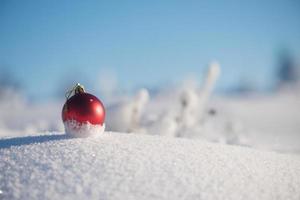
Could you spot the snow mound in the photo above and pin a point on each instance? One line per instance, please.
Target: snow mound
(128, 166)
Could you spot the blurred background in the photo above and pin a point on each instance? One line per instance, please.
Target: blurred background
(115, 48)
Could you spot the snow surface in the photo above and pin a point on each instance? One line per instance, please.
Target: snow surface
(131, 166)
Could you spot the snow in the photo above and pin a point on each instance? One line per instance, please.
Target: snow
(76, 129)
(178, 143)
(131, 166)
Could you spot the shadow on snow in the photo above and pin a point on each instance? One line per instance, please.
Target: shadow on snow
(18, 141)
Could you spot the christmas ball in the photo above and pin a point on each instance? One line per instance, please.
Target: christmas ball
(83, 114)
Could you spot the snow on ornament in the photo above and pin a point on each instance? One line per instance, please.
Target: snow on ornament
(83, 114)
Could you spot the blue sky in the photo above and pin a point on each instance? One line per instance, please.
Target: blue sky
(144, 43)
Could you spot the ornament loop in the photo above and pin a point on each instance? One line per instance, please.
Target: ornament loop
(78, 88)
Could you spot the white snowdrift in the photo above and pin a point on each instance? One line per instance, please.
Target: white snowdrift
(128, 166)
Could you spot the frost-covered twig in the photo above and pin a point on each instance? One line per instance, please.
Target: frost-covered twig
(193, 104)
(125, 116)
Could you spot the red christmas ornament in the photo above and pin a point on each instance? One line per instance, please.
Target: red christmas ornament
(83, 114)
